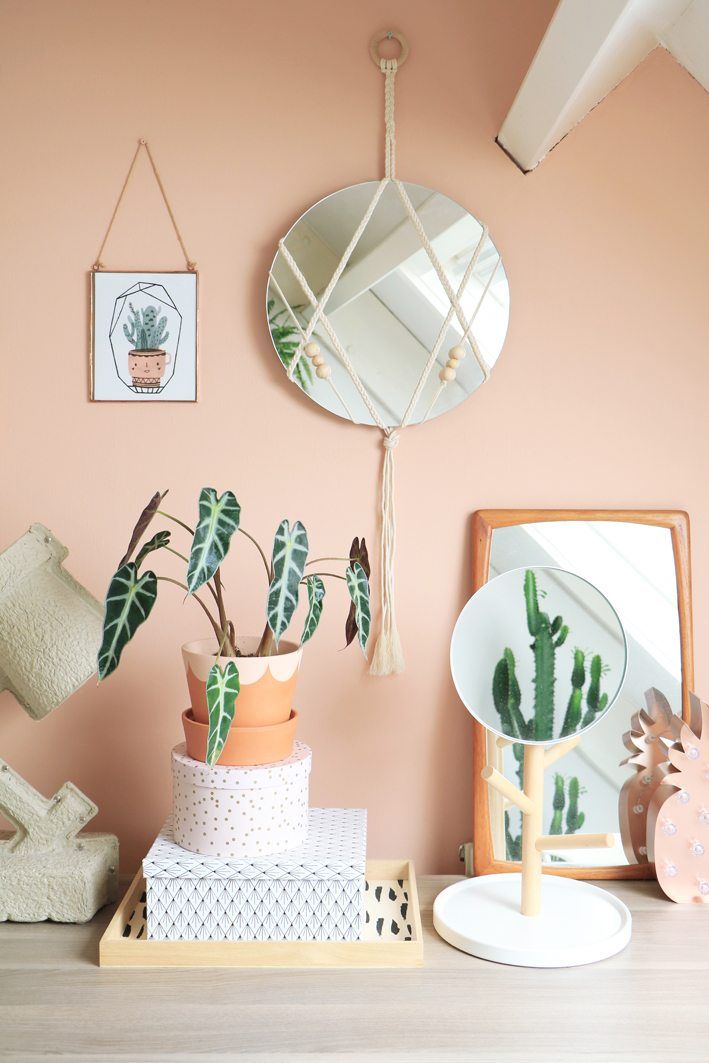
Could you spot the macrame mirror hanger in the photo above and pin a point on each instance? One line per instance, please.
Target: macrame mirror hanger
(388, 658)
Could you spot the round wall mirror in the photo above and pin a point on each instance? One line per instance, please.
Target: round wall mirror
(538, 655)
(389, 304)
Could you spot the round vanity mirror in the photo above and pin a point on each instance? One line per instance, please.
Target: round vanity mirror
(538, 655)
(409, 275)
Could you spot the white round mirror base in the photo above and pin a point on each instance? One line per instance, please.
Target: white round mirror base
(578, 924)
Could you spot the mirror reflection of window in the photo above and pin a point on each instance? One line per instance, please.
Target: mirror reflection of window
(633, 565)
(389, 305)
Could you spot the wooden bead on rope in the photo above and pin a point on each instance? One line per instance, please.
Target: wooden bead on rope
(456, 354)
(323, 372)
(311, 350)
(318, 360)
(447, 374)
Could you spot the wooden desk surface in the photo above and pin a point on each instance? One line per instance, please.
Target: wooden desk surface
(650, 1003)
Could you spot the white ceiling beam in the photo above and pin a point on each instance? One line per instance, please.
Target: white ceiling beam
(588, 48)
(688, 41)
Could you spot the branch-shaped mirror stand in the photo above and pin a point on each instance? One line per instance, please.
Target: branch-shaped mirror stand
(530, 802)
(533, 918)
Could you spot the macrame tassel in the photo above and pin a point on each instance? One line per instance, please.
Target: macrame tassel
(388, 656)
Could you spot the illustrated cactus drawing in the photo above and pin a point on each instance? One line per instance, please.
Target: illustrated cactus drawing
(548, 636)
(145, 331)
(680, 823)
(650, 732)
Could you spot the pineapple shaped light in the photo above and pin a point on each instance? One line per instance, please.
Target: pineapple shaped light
(650, 732)
(679, 824)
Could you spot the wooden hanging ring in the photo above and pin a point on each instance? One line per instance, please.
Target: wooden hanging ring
(388, 35)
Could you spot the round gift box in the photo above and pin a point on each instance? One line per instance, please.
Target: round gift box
(240, 812)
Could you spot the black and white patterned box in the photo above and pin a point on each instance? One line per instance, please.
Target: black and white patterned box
(312, 893)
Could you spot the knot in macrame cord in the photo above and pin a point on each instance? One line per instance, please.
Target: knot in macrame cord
(391, 440)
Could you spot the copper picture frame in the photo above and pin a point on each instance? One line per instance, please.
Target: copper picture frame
(149, 277)
(485, 522)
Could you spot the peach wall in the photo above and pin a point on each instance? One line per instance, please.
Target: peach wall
(599, 398)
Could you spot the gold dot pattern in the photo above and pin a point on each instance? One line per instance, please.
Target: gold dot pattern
(240, 812)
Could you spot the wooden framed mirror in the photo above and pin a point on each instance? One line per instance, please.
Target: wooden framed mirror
(640, 559)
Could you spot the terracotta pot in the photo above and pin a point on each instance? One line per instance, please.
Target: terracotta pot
(147, 368)
(267, 683)
(244, 745)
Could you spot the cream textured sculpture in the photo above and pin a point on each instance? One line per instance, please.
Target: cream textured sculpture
(50, 626)
(47, 869)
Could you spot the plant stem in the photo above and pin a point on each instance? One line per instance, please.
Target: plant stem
(269, 573)
(223, 622)
(209, 586)
(267, 646)
(212, 621)
(318, 559)
(176, 520)
(177, 553)
(332, 575)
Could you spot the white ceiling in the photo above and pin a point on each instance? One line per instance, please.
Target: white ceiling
(588, 48)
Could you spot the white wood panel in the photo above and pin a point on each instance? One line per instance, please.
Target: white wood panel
(586, 51)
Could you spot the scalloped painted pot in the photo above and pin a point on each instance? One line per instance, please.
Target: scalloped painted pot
(267, 683)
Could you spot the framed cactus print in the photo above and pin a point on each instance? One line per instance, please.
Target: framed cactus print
(143, 336)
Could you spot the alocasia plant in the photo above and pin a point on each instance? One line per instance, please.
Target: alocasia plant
(131, 596)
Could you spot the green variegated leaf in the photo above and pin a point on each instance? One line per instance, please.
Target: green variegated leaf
(316, 593)
(128, 604)
(290, 552)
(143, 521)
(160, 539)
(358, 586)
(222, 691)
(218, 520)
(358, 552)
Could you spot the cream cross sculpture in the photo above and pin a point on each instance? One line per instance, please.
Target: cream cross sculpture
(47, 869)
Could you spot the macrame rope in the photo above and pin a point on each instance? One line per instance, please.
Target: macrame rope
(444, 383)
(389, 67)
(319, 306)
(98, 264)
(388, 656)
(435, 261)
(298, 325)
(442, 332)
(337, 346)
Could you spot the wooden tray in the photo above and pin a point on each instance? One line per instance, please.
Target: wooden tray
(388, 939)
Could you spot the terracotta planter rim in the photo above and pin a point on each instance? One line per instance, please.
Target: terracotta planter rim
(207, 647)
(244, 745)
(187, 715)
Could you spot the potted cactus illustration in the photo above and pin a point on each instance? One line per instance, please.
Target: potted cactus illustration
(147, 360)
(548, 635)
